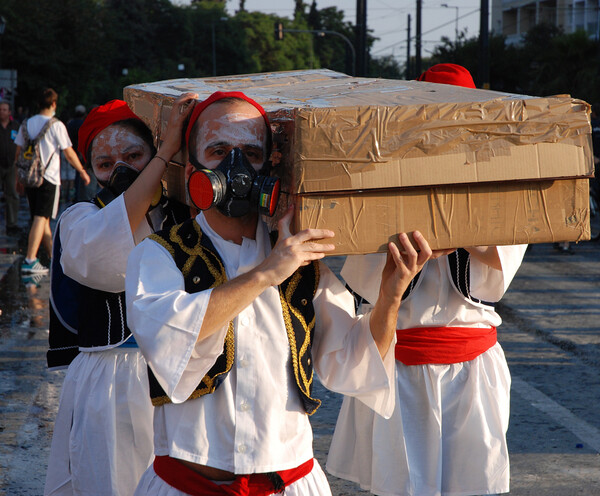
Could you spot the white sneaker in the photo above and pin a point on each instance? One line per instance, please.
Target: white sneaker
(32, 280)
(34, 267)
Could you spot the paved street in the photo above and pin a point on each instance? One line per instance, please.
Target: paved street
(551, 336)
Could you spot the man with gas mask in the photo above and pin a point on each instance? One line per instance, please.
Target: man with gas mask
(232, 325)
(102, 440)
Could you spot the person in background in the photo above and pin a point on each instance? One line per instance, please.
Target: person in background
(21, 114)
(43, 201)
(233, 324)
(8, 133)
(447, 435)
(102, 440)
(82, 192)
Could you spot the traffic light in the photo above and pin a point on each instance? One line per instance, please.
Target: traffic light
(278, 31)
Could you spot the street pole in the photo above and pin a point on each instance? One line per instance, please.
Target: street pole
(361, 37)
(484, 46)
(455, 22)
(2, 28)
(418, 40)
(214, 50)
(408, 50)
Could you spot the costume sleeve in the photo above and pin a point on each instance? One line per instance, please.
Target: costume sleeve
(166, 321)
(363, 274)
(489, 284)
(95, 244)
(345, 355)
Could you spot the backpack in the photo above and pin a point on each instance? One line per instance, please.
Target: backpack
(30, 169)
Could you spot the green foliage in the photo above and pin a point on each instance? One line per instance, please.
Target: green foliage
(547, 62)
(81, 48)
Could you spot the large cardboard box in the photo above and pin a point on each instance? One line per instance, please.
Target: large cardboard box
(369, 158)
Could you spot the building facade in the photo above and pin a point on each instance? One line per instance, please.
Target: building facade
(513, 18)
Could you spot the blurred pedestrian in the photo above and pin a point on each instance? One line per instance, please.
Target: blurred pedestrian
(21, 114)
(83, 192)
(8, 133)
(43, 201)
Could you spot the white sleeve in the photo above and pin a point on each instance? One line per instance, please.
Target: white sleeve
(19, 140)
(345, 355)
(363, 274)
(489, 284)
(166, 321)
(61, 135)
(95, 244)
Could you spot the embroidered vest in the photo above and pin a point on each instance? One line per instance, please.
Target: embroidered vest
(202, 268)
(83, 318)
(459, 264)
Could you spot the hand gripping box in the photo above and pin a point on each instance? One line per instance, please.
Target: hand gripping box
(368, 158)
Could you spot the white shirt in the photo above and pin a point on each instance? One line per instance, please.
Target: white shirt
(96, 243)
(55, 140)
(255, 421)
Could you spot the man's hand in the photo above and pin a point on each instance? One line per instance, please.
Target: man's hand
(293, 251)
(401, 267)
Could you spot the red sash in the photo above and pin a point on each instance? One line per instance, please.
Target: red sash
(184, 479)
(422, 345)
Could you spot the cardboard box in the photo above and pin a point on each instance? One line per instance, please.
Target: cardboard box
(371, 157)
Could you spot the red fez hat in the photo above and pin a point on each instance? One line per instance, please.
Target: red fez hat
(448, 74)
(100, 118)
(220, 95)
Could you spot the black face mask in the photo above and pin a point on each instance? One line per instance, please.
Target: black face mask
(234, 187)
(121, 177)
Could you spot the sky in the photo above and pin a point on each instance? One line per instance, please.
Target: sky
(389, 19)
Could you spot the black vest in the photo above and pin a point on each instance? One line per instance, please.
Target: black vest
(85, 318)
(459, 264)
(202, 268)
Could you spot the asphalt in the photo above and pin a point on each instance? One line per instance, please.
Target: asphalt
(12, 247)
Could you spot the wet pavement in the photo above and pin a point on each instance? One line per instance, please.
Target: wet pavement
(551, 336)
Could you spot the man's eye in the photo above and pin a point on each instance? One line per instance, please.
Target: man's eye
(104, 165)
(133, 156)
(253, 155)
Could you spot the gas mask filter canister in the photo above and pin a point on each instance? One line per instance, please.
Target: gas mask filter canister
(234, 187)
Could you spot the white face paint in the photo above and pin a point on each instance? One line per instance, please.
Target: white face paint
(222, 127)
(118, 144)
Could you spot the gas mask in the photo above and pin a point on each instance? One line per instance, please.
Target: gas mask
(234, 187)
(122, 176)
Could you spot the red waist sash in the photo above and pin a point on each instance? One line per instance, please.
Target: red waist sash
(422, 345)
(184, 479)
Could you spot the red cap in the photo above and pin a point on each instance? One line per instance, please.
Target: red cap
(220, 95)
(100, 118)
(448, 74)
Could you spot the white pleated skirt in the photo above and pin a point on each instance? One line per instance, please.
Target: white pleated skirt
(103, 434)
(447, 435)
